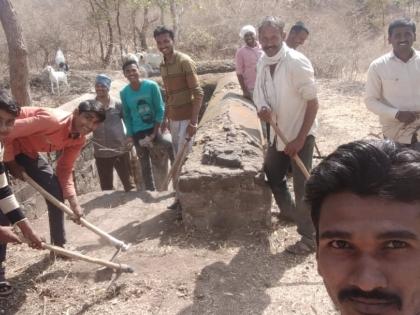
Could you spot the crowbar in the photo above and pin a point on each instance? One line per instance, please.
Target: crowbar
(296, 158)
(120, 245)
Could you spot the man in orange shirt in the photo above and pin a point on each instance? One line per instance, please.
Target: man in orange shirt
(47, 130)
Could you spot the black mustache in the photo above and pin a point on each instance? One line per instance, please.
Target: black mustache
(377, 294)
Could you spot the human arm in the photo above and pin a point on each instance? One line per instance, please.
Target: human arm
(294, 146)
(10, 208)
(64, 170)
(240, 67)
(302, 79)
(126, 115)
(373, 96)
(197, 92)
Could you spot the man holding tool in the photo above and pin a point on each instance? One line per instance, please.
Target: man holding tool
(285, 96)
(47, 130)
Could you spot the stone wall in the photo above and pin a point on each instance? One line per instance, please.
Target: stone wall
(222, 183)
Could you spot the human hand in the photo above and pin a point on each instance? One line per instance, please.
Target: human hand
(15, 169)
(191, 129)
(265, 114)
(164, 126)
(406, 117)
(30, 235)
(8, 236)
(75, 207)
(293, 147)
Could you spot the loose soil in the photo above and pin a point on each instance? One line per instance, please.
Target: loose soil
(178, 272)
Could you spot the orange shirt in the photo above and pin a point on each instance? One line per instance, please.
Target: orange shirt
(40, 129)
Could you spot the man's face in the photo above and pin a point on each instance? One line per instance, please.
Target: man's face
(132, 73)
(271, 40)
(369, 254)
(101, 90)
(402, 39)
(165, 44)
(7, 122)
(85, 122)
(297, 38)
(249, 39)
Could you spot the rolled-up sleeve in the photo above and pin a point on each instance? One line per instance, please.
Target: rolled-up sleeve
(303, 79)
(373, 95)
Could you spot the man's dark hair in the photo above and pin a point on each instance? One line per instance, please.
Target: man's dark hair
(93, 106)
(129, 62)
(403, 22)
(162, 29)
(380, 168)
(8, 104)
(272, 21)
(299, 27)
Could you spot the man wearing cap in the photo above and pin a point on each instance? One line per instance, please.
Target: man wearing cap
(246, 59)
(110, 141)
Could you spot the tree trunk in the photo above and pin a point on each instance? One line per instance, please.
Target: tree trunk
(133, 24)
(18, 55)
(108, 56)
(162, 14)
(117, 8)
(98, 28)
(175, 17)
(144, 28)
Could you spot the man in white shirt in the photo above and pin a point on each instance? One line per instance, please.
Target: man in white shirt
(392, 87)
(285, 92)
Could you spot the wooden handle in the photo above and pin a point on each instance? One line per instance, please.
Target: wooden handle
(177, 164)
(296, 158)
(76, 255)
(115, 242)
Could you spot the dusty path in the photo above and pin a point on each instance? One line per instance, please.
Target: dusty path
(179, 273)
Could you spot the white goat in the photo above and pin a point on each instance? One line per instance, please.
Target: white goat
(55, 78)
(151, 59)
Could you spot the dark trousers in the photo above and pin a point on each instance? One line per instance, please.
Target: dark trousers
(3, 222)
(144, 154)
(275, 166)
(105, 167)
(43, 174)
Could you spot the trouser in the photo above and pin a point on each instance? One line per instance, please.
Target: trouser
(40, 171)
(159, 143)
(3, 222)
(275, 166)
(105, 167)
(179, 133)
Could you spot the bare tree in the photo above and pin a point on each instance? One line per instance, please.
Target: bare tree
(18, 55)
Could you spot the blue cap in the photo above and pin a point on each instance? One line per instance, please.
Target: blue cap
(104, 80)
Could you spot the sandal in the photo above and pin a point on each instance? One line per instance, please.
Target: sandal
(5, 289)
(301, 248)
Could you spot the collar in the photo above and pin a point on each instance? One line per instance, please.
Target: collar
(414, 56)
(281, 54)
(111, 102)
(174, 56)
(72, 134)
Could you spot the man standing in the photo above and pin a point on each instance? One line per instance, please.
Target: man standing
(392, 87)
(40, 129)
(285, 92)
(297, 35)
(365, 202)
(110, 141)
(246, 59)
(183, 93)
(143, 114)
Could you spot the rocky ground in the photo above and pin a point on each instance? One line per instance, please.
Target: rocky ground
(178, 272)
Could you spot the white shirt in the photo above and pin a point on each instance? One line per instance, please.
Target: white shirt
(394, 85)
(287, 93)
